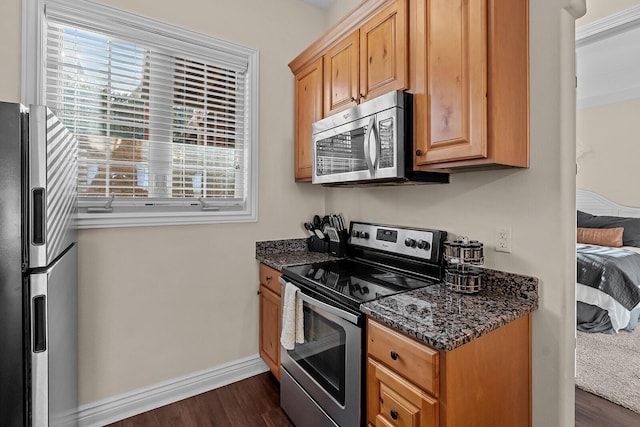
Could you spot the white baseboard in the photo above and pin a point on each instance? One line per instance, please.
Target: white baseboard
(135, 402)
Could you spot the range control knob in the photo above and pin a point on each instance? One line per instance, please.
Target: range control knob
(364, 235)
(409, 242)
(355, 233)
(423, 244)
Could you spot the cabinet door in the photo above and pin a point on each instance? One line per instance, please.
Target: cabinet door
(341, 75)
(308, 104)
(270, 329)
(384, 51)
(450, 120)
(394, 401)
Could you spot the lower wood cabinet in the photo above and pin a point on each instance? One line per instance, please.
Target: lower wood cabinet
(394, 401)
(270, 318)
(484, 383)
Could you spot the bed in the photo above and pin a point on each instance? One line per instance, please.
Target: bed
(608, 264)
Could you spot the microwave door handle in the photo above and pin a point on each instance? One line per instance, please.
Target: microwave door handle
(367, 146)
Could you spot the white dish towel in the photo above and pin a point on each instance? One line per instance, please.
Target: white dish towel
(292, 318)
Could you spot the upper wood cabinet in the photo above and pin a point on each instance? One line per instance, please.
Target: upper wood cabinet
(341, 67)
(369, 62)
(465, 61)
(362, 56)
(384, 61)
(470, 83)
(308, 106)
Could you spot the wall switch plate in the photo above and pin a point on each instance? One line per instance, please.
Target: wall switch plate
(503, 239)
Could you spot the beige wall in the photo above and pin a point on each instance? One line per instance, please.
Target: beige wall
(608, 150)
(598, 9)
(607, 135)
(536, 203)
(157, 303)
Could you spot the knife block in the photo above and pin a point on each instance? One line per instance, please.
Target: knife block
(316, 244)
(339, 248)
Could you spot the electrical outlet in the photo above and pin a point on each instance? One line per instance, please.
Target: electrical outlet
(503, 239)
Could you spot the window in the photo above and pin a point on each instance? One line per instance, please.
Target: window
(165, 118)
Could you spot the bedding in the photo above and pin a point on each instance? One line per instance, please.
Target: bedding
(611, 237)
(631, 235)
(608, 279)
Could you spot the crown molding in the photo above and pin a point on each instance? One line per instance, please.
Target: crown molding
(608, 26)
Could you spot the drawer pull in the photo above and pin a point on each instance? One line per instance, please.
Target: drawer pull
(394, 355)
(394, 414)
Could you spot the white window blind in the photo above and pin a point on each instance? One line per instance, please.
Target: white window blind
(163, 127)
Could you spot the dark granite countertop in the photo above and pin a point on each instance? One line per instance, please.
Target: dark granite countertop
(281, 253)
(435, 315)
(446, 320)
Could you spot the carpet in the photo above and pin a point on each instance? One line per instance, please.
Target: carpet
(609, 366)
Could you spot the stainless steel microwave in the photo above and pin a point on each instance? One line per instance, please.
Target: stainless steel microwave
(371, 143)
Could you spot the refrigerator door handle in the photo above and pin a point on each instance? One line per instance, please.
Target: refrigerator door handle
(37, 221)
(39, 355)
(39, 310)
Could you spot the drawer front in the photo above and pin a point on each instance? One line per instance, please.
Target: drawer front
(405, 356)
(269, 278)
(394, 401)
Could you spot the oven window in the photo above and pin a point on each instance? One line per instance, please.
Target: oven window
(322, 355)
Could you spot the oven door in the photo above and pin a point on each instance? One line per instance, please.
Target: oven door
(327, 365)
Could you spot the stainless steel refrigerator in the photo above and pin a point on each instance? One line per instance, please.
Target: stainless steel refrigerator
(38, 269)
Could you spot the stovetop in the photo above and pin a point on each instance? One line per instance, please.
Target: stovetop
(353, 282)
(383, 260)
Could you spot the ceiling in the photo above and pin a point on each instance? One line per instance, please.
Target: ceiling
(608, 59)
(321, 4)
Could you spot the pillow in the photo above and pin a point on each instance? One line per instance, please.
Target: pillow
(611, 237)
(583, 216)
(631, 235)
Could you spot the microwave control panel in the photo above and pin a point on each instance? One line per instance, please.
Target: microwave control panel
(416, 243)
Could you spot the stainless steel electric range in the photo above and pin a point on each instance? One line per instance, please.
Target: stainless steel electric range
(322, 378)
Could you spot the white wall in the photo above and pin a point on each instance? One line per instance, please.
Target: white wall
(157, 303)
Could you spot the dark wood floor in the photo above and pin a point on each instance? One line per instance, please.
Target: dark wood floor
(594, 411)
(255, 402)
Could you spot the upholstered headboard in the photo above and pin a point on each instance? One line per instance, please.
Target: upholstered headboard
(596, 204)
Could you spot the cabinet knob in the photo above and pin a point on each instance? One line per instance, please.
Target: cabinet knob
(353, 99)
(268, 278)
(361, 96)
(418, 152)
(394, 414)
(394, 355)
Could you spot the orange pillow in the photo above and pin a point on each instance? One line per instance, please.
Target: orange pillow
(611, 237)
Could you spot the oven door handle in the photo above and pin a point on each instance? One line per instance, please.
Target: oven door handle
(349, 317)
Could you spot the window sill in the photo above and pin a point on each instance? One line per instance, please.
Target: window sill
(113, 220)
